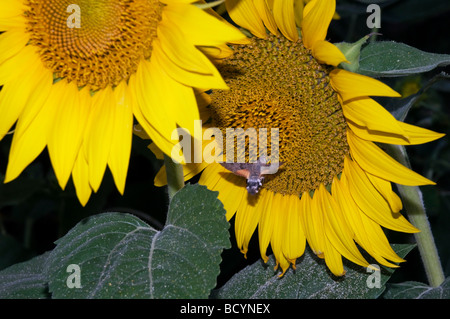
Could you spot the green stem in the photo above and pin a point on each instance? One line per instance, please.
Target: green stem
(175, 178)
(415, 209)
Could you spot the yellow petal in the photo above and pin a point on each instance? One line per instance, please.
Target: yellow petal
(337, 231)
(314, 224)
(379, 243)
(317, 15)
(203, 100)
(234, 197)
(376, 136)
(201, 28)
(192, 169)
(385, 189)
(11, 14)
(266, 15)
(367, 112)
(351, 85)
(419, 135)
(375, 161)
(279, 219)
(294, 240)
(283, 263)
(189, 171)
(11, 8)
(177, 1)
(164, 145)
(211, 175)
(12, 42)
(80, 177)
(376, 242)
(19, 65)
(298, 12)
(99, 135)
(173, 42)
(246, 220)
(283, 13)
(266, 223)
(231, 187)
(416, 135)
(370, 201)
(67, 131)
(217, 52)
(176, 99)
(37, 99)
(328, 53)
(119, 156)
(305, 207)
(348, 207)
(149, 100)
(184, 76)
(30, 137)
(14, 95)
(367, 233)
(244, 13)
(333, 259)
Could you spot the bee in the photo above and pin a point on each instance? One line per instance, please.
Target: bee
(253, 172)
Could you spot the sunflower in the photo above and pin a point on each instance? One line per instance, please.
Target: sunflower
(333, 190)
(74, 73)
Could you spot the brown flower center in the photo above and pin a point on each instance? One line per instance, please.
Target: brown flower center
(94, 43)
(276, 83)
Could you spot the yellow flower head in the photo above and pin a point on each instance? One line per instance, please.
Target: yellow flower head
(75, 72)
(333, 190)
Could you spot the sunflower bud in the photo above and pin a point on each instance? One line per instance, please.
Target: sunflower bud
(352, 52)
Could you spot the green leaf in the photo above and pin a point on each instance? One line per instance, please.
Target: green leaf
(418, 290)
(352, 52)
(310, 280)
(390, 59)
(120, 256)
(25, 280)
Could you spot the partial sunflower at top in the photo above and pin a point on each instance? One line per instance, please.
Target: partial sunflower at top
(334, 187)
(75, 90)
(258, 16)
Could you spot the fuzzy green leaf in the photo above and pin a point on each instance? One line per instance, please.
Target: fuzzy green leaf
(418, 290)
(311, 280)
(391, 59)
(120, 256)
(25, 280)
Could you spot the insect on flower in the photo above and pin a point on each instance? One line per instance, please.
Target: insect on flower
(253, 172)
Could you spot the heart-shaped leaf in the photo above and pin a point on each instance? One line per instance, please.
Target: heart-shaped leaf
(115, 255)
(390, 59)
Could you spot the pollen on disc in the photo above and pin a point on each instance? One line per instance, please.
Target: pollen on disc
(276, 83)
(112, 37)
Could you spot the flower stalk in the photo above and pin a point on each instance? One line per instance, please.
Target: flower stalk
(175, 177)
(415, 209)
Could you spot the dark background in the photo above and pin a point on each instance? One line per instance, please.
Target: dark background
(34, 211)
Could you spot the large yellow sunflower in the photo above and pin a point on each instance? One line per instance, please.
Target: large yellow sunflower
(74, 72)
(333, 190)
